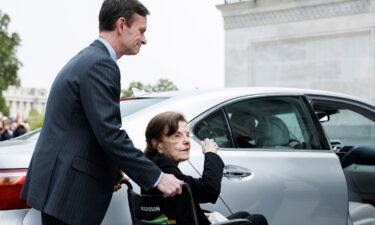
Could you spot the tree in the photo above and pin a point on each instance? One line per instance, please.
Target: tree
(9, 64)
(161, 85)
(35, 119)
(164, 85)
(135, 85)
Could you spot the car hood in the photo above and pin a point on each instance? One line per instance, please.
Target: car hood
(18, 154)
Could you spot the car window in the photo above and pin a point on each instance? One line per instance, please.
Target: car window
(268, 123)
(272, 123)
(346, 125)
(215, 127)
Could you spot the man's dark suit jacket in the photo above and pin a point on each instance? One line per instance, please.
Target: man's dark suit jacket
(205, 189)
(80, 148)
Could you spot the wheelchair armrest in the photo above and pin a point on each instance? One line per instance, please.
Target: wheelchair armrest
(234, 222)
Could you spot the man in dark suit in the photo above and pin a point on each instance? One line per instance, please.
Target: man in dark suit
(72, 172)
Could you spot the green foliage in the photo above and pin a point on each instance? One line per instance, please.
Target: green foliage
(3, 107)
(35, 119)
(135, 85)
(9, 64)
(164, 85)
(161, 85)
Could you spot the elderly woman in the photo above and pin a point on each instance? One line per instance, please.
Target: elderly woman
(168, 144)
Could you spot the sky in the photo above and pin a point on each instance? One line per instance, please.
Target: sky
(185, 41)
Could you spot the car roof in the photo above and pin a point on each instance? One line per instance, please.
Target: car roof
(228, 93)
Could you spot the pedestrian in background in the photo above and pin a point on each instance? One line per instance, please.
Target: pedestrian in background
(6, 131)
(20, 121)
(20, 126)
(72, 173)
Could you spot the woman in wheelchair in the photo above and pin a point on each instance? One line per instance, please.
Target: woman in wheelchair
(168, 144)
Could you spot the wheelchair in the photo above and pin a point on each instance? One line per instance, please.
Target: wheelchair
(155, 209)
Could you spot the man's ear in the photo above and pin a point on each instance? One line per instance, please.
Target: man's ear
(120, 24)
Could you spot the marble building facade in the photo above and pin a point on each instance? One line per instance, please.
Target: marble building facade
(316, 44)
(22, 100)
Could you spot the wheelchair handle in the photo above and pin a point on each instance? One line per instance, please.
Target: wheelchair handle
(130, 187)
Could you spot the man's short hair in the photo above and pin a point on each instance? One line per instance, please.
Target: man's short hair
(112, 10)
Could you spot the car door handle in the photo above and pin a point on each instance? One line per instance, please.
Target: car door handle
(236, 172)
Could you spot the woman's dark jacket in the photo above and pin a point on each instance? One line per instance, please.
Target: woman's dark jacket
(205, 189)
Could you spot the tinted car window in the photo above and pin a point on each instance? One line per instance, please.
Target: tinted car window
(272, 122)
(215, 127)
(129, 106)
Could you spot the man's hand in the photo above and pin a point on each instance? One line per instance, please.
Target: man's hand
(169, 185)
(118, 186)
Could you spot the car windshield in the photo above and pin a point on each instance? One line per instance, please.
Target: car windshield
(128, 106)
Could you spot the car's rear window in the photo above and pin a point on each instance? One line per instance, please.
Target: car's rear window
(129, 106)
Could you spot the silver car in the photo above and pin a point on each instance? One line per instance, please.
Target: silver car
(282, 149)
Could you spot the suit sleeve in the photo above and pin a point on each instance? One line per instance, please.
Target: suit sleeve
(208, 187)
(100, 94)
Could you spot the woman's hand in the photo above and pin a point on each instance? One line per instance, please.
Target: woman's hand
(208, 145)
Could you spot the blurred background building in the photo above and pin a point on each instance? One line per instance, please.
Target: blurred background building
(22, 100)
(317, 44)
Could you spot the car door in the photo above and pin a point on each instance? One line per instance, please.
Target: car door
(350, 127)
(277, 163)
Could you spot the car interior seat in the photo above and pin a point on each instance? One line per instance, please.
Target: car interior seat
(359, 170)
(361, 213)
(272, 132)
